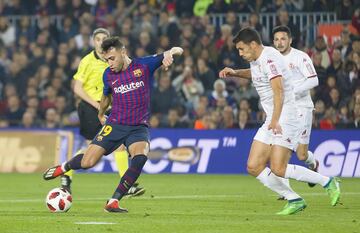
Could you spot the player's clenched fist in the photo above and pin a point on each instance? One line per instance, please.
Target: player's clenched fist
(168, 56)
(226, 72)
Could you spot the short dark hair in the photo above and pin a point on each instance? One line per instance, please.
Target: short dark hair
(112, 42)
(282, 28)
(247, 35)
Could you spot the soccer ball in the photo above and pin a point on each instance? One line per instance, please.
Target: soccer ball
(58, 200)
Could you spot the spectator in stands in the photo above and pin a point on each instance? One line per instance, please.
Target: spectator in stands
(49, 99)
(245, 90)
(284, 19)
(323, 5)
(220, 92)
(344, 45)
(334, 99)
(184, 8)
(228, 119)
(216, 118)
(343, 117)
(243, 121)
(100, 11)
(146, 43)
(4, 123)
(51, 119)
(15, 7)
(14, 111)
(344, 10)
(241, 6)
(225, 31)
(336, 63)
(163, 97)
(191, 88)
(356, 115)
(32, 105)
(204, 122)
(26, 29)
(218, 6)
(9, 90)
(320, 70)
(319, 113)
(255, 24)
(323, 91)
(355, 21)
(82, 40)
(321, 47)
(232, 21)
(7, 32)
(172, 120)
(28, 120)
(205, 74)
(78, 7)
(43, 8)
(328, 122)
(205, 44)
(348, 79)
(154, 121)
(69, 29)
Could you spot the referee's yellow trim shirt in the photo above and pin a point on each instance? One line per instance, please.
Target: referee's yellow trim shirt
(90, 73)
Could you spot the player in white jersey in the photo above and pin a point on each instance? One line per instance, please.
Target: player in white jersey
(276, 138)
(304, 78)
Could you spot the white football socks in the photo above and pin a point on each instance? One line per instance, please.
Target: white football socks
(310, 161)
(276, 184)
(306, 175)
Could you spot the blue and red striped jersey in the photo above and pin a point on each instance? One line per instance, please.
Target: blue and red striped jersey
(131, 90)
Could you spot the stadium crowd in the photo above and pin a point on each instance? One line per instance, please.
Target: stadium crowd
(37, 62)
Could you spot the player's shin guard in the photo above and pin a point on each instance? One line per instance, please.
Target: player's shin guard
(130, 176)
(71, 172)
(122, 161)
(73, 164)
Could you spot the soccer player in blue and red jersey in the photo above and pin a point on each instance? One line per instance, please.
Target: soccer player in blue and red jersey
(127, 85)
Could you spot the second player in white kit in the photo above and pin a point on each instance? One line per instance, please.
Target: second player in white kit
(303, 78)
(277, 137)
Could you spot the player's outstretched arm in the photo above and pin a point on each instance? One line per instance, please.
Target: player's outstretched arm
(168, 56)
(104, 104)
(241, 73)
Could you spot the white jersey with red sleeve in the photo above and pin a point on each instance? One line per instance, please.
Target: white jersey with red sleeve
(301, 68)
(271, 64)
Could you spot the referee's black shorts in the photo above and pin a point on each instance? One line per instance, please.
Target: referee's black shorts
(89, 121)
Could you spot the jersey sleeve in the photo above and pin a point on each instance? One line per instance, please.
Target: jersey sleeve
(80, 73)
(153, 62)
(306, 67)
(272, 68)
(107, 88)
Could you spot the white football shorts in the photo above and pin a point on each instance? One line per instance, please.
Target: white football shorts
(290, 131)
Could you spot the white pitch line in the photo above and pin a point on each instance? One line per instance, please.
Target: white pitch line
(171, 197)
(95, 223)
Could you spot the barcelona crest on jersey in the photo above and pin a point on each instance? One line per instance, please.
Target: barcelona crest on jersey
(137, 73)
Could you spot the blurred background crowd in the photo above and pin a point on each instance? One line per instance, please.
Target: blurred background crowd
(39, 58)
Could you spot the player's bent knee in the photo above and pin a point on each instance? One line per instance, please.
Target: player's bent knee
(254, 170)
(278, 171)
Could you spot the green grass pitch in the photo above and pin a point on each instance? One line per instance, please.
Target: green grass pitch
(174, 203)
